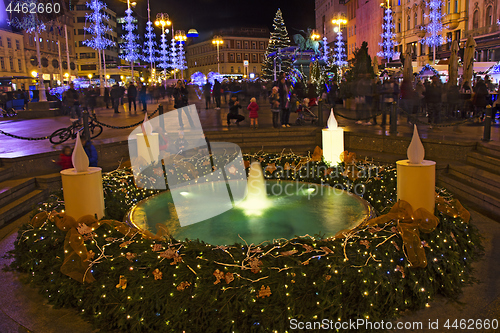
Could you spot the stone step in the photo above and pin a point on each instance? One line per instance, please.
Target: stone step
(11, 190)
(5, 173)
(484, 161)
(21, 206)
(490, 149)
(471, 195)
(52, 181)
(483, 179)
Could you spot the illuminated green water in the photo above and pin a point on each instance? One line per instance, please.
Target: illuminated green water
(311, 209)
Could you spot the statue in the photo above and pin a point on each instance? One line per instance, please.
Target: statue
(307, 44)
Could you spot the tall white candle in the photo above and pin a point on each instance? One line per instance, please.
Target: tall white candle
(333, 140)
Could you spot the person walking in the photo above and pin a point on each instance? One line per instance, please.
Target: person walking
(180, 101)
(433, 97)
(115, 95)
(106, 97)
(234, 105)
(253, 107)
(207, 91)
(217, 93)
(91, 99)
(132, 96)
(72, 100)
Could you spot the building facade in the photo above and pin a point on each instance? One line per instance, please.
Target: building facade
(12, 54)
(484, 26)
(241, 46)
(53, 51)
(351, 39)
(325, 11)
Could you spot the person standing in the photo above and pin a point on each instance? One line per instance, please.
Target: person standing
(217, 93)
(234, 105)
(274, 99)
(284, 102)
(143, 93)
(207, 91)
(91, 99)
(106, 97)
(132, 96)
(180, 101)
(72, 100)
(115, 95)
(253, 107)
(433, 98)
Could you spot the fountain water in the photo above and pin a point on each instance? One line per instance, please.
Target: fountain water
(256, 200)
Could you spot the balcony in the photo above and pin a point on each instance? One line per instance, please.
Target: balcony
(420, 32)
(398, 37)
(451, 20)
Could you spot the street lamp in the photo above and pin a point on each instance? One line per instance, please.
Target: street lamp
(315, 35)
(217, 40)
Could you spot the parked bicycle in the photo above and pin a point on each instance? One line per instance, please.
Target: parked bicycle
(71, 131)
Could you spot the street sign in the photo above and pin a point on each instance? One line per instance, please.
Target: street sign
(245, 63)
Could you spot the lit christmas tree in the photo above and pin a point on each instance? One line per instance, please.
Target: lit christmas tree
(434, 27)
(98, 29)
(326, 50)
(387, 35)
(130, 46)
(339, 56)
(279, 40)
(181, 58)
(163, 52)
(173, 56)
(150, 43)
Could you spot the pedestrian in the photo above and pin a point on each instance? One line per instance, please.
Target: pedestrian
(407, 100)
(71, 98)
(180, 101)
(106, 97)
(217, 93)
(274, 99)
(143, 94)
(433, 99)
(65, 161)
(253, 107)
(284, 102)
(132, 96)
(91, 99)
(364, 92)
(115, 95)
(90, 151)
(207, 91)
(234, 105)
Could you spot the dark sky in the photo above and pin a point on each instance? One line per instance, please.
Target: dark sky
(215, 14)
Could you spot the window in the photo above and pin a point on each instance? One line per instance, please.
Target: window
(238, 57)
(448, 6)
(262, 45)
(231, 57)
(415, 19)
(254, 45)
(232, 68)
(422, 49)
(475, 20)
(246, 45)
(399, 25)
(81, 32)
(354, 30)
(20, 65)
(489, 16)
(9, 43)
(238, 45)
(18, 45)
(254, 57)
(239, 69)
(456, 7)
(80, 19)
(31, 40)
(423, 16)
(408, 22)
(1, 42)
(2, 64)
(81, 7)
(246, 56)
(88, 67)
(11, 62)
(221, 57)
(254, 69)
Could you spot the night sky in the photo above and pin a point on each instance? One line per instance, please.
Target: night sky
(206, 15)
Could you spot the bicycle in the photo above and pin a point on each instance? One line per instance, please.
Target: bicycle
(63, 134)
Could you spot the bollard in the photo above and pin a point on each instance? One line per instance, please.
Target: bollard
(86, 132)
(160, 113)
(487, 124)
(320, 113)
(393, 119)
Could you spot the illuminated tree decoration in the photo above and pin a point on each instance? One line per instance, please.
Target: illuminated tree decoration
(181, 58)
(279, 40)
(163, 53)
(326, 50)
(173, 55)
(340, 55)
(150, 43)
(387, 35)
(435, 25)
(28, 22)
(130, 46)
(199, 79)
(97, 27)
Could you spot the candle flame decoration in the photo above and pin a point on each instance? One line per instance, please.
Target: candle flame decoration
(79, 157)
(332, 122)
(416, 149)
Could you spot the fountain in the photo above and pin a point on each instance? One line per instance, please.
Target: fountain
(271, 209)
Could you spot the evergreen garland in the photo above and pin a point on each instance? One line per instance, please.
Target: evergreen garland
(148, 285)
(279, 40)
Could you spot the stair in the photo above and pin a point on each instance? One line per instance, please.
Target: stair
(477, 181)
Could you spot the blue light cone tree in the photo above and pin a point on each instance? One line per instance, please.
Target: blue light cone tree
(387, 35)
(131, 46)
(98, 29)
(150, 52)
(340, 55)
(326, 50)
(163, 59)
(435, 27)
(181, 58)
(173, 56)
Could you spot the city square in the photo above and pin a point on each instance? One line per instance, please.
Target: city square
(324, 165)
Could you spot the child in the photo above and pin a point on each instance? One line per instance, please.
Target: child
(65, 158)
(275, 106)
(253, 107)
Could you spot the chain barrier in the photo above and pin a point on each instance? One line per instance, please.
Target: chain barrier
(349, 118)
(24, 138)
(457, 123)
(123, 127)
(94, 118)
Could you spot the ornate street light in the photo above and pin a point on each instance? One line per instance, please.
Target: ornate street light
(217, 40)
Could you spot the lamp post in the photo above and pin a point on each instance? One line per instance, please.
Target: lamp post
(217, 40)
(180, 37)
(162, 20)
(314, 35)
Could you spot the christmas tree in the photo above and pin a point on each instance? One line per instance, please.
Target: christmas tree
(387, 35)
(149, 52)
(279, 40)
(435, 26)
(339, 55)
(130, 46)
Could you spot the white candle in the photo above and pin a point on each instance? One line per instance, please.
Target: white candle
(416, 177)
(333, 140)
(148, 145)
